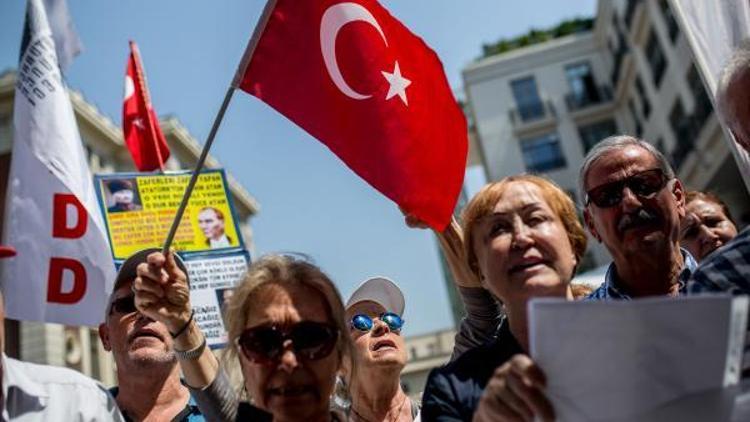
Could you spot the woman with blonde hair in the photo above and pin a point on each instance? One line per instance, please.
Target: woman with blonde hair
(286, 330)
(522, 239)
(286, 326)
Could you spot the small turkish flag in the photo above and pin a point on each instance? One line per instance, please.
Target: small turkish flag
(140, 125)
(359, 81)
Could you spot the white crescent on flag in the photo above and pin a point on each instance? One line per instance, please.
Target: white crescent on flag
(334, 18)
(129, 88)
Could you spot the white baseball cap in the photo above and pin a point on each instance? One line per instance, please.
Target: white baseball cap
(382, 291)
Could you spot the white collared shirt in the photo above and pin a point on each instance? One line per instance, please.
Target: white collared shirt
(33, 392)
(222, 242)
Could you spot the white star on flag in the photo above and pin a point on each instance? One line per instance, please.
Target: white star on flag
(397, 83)
(138, 122)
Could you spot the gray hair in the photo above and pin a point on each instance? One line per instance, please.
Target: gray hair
(737, 66)
(619, 142)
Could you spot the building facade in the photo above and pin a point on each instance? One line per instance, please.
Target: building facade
(425, 352)
(541, 108)
(79, 347)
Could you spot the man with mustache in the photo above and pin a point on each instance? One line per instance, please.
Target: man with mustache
(634, 205)
(148, 356)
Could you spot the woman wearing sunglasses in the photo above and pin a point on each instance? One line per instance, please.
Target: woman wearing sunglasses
(286, 325)
(286, 329)
(374, 313)
(523, 239)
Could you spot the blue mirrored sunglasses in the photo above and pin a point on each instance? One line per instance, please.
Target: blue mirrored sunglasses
(363, 322)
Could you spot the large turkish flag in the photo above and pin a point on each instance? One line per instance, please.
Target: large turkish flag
(359, 81)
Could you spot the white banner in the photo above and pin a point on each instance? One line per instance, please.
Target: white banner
(63, 271)
(212, 281)
(713, 29)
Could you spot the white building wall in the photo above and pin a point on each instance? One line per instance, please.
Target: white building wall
(490, 100)
(488, 86)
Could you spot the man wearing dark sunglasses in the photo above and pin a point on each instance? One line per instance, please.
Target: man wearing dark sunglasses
(374, 313)
(148, 352)
(634, 205)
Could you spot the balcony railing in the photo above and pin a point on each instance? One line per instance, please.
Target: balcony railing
(601, 94)
(532, 112)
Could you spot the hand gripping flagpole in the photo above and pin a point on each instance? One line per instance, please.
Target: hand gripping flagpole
(238, 76)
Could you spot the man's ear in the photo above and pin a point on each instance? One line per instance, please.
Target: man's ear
(678, 191)
(590, 224)
(104, 337)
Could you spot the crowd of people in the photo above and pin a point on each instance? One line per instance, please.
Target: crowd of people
(305, 354)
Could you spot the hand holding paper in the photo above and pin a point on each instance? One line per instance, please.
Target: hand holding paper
(628, 360)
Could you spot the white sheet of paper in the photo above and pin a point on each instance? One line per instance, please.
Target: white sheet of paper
(640, 359)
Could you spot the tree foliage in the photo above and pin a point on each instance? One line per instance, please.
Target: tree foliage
(537, 36)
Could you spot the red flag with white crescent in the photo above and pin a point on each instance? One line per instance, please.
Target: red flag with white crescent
(143, 135)
(358, 80)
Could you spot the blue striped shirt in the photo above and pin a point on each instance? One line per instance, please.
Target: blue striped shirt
(727, 269)
(609, 289)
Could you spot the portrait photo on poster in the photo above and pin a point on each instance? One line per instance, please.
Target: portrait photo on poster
(208, 224)
(211, 223)
(122, 195)
(222, 298)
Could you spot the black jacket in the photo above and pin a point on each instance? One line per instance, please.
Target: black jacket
(453, 391)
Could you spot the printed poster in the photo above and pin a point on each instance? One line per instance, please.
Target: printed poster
(213, 278)
(139, 208)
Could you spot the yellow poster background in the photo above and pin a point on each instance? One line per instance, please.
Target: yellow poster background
(157, 200)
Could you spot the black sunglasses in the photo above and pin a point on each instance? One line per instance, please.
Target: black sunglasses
(309, 340)
(645, 185)
(124, 305)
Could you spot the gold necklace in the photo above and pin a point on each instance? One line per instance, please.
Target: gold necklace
(398, 412)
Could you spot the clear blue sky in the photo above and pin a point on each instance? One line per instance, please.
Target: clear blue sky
(310, 201)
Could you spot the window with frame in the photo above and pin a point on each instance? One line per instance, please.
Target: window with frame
(679, 122)
(583, 88)
(682, 128)
(660, 146)
(527, 98)
(703, 107)
(636, 121)
(593, 133)
(622, 50)
(645, 103)
(542, 153)
(656, 58)
(672, 28)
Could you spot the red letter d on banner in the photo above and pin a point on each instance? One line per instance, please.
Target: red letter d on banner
(57, 267)
(60, 228)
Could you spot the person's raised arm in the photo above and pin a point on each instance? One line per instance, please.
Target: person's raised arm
(162, 293)
(483, 314)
